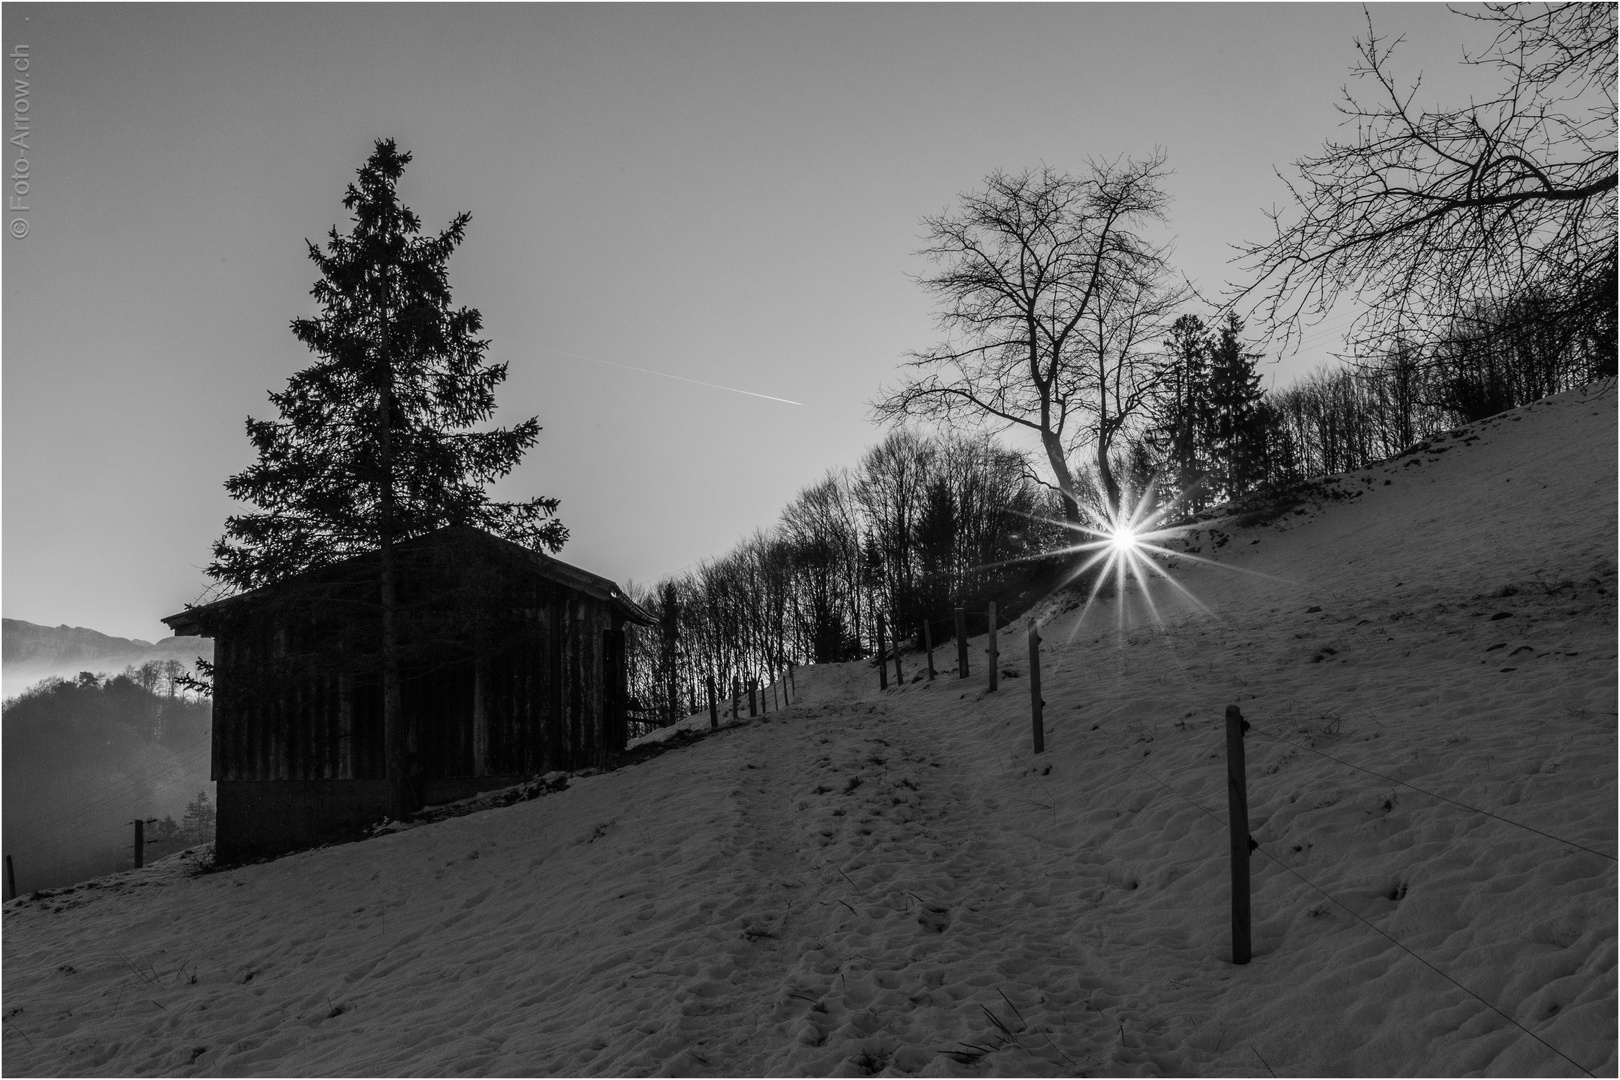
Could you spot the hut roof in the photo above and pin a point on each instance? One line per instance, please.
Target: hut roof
(202, 619)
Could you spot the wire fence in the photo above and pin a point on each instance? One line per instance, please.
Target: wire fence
(82, 835)
(1185, 676)
(1433, 795)
(1571, 846)
(1375, 929)
(1180, 669)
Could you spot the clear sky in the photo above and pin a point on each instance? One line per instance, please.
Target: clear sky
(730, 194)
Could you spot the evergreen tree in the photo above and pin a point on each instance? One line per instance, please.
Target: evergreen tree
(375, 442)
(1184, 413)
(1237, 435)
(197, 826)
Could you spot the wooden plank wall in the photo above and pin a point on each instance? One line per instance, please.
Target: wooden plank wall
(541, 700)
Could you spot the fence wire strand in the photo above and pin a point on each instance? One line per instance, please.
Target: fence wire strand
(1355, 915)
(1419, 959)
(1164, 639)
(1430, 794)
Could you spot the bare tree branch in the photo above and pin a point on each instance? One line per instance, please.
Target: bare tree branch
(1048, 298)
(1424, 216)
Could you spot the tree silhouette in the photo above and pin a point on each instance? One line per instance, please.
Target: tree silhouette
(1050, 296)
(1183, 414)
(375, 441)
(1237, 439)
(1428, 219)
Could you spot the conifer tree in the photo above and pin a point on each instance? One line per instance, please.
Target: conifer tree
(1184, 415)
(197, 825)
(376, 443)
(1237, 424)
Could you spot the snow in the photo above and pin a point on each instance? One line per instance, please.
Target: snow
(894, 883)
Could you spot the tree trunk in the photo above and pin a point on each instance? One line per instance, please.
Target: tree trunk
(1065, 481)
(1105, 473)
(396, 739)
(1105, 438)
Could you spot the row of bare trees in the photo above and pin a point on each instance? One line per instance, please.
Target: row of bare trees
(1335, 420)
(921, 524)
(165, 677)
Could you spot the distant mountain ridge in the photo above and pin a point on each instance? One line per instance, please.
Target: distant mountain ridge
(31, 652)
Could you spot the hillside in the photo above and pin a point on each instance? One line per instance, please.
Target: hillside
(892, 883)
(33, 652)
(82, 760)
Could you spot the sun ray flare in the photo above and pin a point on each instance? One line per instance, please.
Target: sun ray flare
(1125, 550)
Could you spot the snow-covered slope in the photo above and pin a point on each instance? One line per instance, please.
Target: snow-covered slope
(893, 883)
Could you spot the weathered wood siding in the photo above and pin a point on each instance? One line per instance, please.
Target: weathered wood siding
(549, 696)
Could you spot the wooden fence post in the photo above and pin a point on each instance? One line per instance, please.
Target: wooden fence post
(883, 661)
(736, 696)
(899, 676)
(1035, 702)
(961, 643)
(11, 879)
(990, 647)
(793, 687)
(928, 645)
(714, 704)
(1237, 808)
(140, 843)
(753, 685)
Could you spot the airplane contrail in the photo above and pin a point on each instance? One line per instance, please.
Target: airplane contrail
(666, 375)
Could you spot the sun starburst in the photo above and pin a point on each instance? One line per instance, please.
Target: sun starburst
(1125, 545)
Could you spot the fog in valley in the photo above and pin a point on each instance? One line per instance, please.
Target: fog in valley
(87, 756)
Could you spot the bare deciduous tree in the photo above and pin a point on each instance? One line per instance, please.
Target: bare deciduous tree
(822, 534)
(1048, 294)
(922, 524)
(1424, 217)
(1125, 366)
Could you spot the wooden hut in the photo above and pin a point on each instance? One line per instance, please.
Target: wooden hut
(512, 664)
